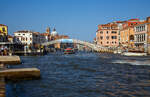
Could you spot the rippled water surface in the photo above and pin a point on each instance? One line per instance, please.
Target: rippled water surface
(85, 75)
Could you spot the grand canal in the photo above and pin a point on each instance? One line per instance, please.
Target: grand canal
(84, 75)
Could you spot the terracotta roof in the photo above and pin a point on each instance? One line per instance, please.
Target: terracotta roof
(120, 21)
(36, 32)
(141, 23)
(136, 19)
(126, 27)
(61, 36)
(9, 36)
(108, 25)
(44, 34)
(24, 31)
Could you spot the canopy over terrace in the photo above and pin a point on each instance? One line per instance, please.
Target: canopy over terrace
(66, 40)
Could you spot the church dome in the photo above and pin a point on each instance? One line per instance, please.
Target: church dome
(53, 33)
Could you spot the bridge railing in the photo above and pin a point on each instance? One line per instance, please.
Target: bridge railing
(91, 45)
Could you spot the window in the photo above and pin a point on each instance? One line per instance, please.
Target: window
(107, 32)
(107, 42)
(101, 42)
(144, 37)
(107, 37)
(144, 27)
(140, 28)
(104, 27)
(101, 37)
(3, 29)
(136, 29)
(114, 32)
(23, 34)
(101, 32)
(97, 38)
(114, 37)
(131, 37)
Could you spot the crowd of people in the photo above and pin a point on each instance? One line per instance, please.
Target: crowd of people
(4, 51)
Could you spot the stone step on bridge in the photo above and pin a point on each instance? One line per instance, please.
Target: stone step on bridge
(95, 47)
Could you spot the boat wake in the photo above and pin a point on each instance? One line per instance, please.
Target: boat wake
(132, 62)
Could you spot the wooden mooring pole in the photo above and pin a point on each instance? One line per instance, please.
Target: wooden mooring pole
(2, 87)
(2, 83)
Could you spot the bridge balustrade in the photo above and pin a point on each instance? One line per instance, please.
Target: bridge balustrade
(95, 47)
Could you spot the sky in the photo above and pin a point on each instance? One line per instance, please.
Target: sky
(78, 19)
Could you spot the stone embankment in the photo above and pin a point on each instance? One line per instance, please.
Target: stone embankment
(14, 74)
(10, 60)
(21, 73)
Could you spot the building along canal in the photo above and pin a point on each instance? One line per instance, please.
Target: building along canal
(84, 75)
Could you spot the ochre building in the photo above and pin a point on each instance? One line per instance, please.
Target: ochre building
(3, 29)
(127, 33)
(107, 35)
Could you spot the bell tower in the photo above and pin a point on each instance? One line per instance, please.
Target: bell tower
(148, 19)
(54, 29)
(48, 30)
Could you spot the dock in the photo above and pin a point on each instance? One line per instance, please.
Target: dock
(134, 54)
(20, 74)
(14, 74)
(11, 60)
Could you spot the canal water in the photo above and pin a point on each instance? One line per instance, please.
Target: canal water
(84, 75)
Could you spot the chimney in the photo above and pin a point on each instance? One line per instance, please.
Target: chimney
(148, 19)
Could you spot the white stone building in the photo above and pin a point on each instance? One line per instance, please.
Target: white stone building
(26, 37)
(142, 36)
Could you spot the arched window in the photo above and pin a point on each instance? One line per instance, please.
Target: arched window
(131, 37)
(101, 32)
(3, 29)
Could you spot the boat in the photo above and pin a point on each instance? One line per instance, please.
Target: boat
(69, 51)
(134, 54)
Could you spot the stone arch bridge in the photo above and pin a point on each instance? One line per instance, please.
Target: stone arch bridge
(95, 47)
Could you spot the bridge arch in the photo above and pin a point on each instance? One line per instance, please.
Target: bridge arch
(88, 44)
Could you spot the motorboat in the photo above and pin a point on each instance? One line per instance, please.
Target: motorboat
(134, 54)
(69, 51)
